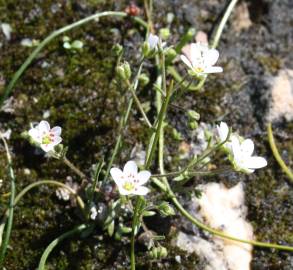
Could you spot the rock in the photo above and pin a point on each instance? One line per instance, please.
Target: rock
(282, 96)
(222, 209)
(205, 249)
(242, 20)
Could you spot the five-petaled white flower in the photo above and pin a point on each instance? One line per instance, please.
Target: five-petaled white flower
(242, 155)
(130, 181)
(200, 59)
(240, 150)
(46, 137)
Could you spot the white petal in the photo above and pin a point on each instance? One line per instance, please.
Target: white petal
(130, 168)
(44, 127)
(56, 131)
(247, 147)
(123, 191)
(213, 70)
(35, 135)
(117, 176)
(210, 56)
(186, 61)
(141, 190)
(255, 162)
(186, 50)
(195, 51)
(223, 131)
(153, 41)
(47, 147)
(143, 177)
(236, 149)
(56, 140)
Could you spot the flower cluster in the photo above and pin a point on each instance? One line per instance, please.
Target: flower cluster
(240, 150)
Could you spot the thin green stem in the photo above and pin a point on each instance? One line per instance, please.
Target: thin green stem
(161, 116)
(74, 168)
(136, 214)
(192, 173)
(55, 34)
(95, 181)
(218, 33)
(138, 104)
(11, 203)
(49, 182)
(58, 240)
(135, 222)
(221, 234)
(276, 153)
(122, 124)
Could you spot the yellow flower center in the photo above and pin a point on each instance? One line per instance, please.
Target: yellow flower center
(46, 139)
(198, 69)
(128, 186)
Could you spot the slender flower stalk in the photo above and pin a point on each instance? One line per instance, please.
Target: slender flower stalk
(276, 153)
(123, 122)
(138, 104)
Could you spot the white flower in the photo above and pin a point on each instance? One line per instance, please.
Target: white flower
(130, 181)
(153, 41)
(44, 136)
(242, 155)
(240, 150)
(223, 132)
(200, 59)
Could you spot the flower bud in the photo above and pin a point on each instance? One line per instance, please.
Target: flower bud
(146, 49)
(193, 125)
(166, 210)
(148, 213)
(127, 70)
(125, 229)
(158, 253)
(117, 49)
(164, 33)
(193, 115)
(124, 71)
(170, 54)
(143, 79)
(177, 135)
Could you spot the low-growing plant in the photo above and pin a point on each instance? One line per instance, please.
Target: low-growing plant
(113, 198)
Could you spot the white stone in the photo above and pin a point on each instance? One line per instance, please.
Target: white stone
(222, 209)
(282, 96)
